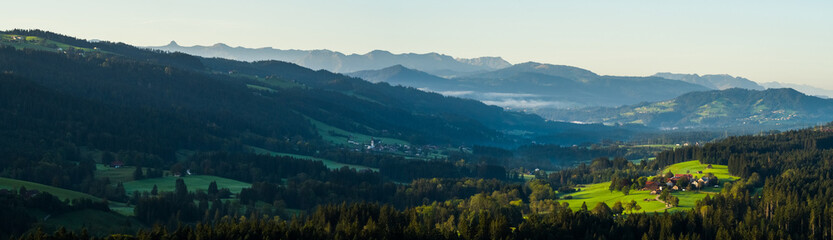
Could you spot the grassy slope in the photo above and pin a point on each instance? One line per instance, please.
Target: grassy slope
(595, 193)
(193, 182)
(60, 193)
(330, 164)
(8, 183)
(261, 88)
(121, 208)
(116, 175)
(32, 43)
(720, 171)
(324, 131)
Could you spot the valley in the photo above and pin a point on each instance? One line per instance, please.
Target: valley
(106, 140)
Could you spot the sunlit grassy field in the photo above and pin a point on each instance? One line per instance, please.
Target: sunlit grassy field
(594, 193)
(691, 167)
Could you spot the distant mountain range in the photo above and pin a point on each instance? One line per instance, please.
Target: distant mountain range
(534, 86)
(401, 75)
(731, 108)
(434, 63)
(714, 81)
(220, 103)
(528, 86)
(724, 81)
(806, 89)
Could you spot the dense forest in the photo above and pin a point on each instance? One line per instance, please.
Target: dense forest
(761, 206)
(171, 118)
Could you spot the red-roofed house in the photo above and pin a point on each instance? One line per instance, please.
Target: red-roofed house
(689, 176)
(651, 185)
(116, 164)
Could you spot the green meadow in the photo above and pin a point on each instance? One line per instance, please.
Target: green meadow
(329, 163)
(37, 43)
(339, 137)
(592, 194)
(691, 167)
(193, 182)
(63, 194)
(116, 175)
(8, 183)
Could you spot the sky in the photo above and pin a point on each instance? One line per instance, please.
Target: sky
(784, 41)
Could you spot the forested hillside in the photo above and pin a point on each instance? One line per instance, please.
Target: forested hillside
(108, 141)
(249, 94)
(730, 109)
(538, 87)
(763, 204)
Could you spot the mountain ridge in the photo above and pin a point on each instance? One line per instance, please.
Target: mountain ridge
(806, 89)
(335, 61)
(713, 81)
(534, 86)
(208, 89)
(782, 108)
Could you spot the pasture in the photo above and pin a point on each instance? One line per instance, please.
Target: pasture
(691, 167)
(193, 183)
(338, 136)
(8, 183)
(592, 194)
(329, 163)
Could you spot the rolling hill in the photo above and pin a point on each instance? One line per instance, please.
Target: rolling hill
(537, 87)
(720, 109)
(806, 89)
(219, 102)
(725, 81)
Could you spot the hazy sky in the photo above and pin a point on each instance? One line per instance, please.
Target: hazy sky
(786, 41)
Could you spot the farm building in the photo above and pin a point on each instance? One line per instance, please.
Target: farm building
(678, 176)
(651, 185)
(116, 164)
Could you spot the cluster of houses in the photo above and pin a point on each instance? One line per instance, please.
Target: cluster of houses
(376, 145)
(657, 187)
(18, 38)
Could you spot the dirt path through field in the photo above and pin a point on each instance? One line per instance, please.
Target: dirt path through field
(666, 204)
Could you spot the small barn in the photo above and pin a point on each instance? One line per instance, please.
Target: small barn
(116, 164)
(651, 185)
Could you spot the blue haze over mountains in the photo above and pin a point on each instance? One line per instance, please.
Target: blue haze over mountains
(434, 63)
(553, 91)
